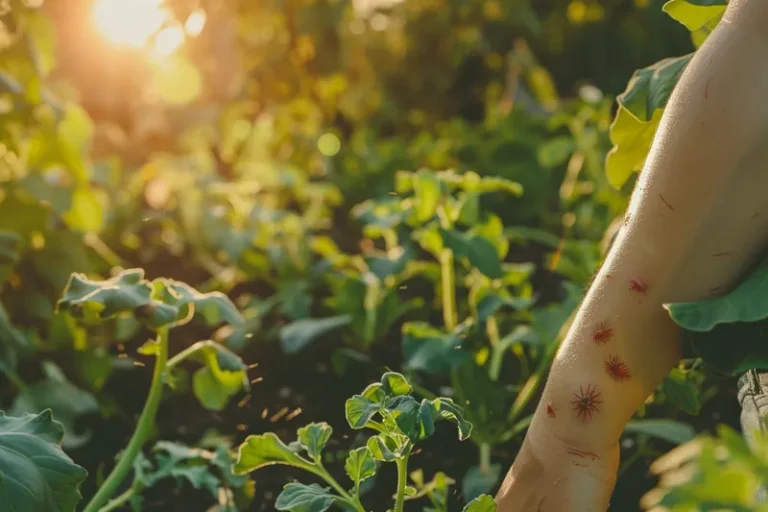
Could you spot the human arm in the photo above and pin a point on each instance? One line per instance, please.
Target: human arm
(697, 219)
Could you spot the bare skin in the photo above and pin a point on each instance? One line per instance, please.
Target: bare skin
(697, 221)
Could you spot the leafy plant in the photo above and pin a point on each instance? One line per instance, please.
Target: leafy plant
(400, 422)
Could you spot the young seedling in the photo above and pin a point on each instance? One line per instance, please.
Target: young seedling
(387, 408)
(160, 305)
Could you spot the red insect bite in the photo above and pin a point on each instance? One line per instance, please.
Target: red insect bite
(617, 369)
(585, 402)
(551, 411)
(602, 334)
(638, 286)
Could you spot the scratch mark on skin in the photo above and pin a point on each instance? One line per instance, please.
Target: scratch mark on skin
(585, 402)
(617, 369)
(755, 215)
(706, 90)
(638, 286)
(582, 454)
(667, 203)
(716, 289)
(603, 333)
(551, 411)
(721, 254)
(541, 503)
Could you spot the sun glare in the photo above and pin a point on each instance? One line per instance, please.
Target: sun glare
(168, 41)
(129, 22)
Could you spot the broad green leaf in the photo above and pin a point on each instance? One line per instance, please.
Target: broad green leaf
(415, 420)
(429, 350)
(35, 473)
(262, 450)
(360, 465)
(673, 431)
(748, 302)
(297, 335)
(394, 384)
(359, 411)
(640, 109)
(729, 332)
(492, 302)
(298, 497)
(478, 481)
(427, 193)
(91, 300)
(223, 375)
(681, 391)
(480, 252)
(695, 14)
(66, 400)
(183, 302)
(313, 438)
(482, 503)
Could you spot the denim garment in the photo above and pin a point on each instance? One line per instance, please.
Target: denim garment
(753, 398)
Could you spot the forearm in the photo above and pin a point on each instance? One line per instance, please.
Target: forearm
(694, 224)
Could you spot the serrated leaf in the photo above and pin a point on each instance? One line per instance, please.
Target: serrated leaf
(297, 335)
(448, 410)
(394, 384)
(298, 497)
(481, 504)
(360, 465)
(480, 251)
(90, 300)
(359, 410)
(640, 109)
(313, 438)
(415, 420)
(213, 308)
(35, 473)
(672, 431)
(262, 450)
(384, 447)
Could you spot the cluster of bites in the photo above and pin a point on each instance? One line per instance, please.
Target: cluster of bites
(587, 401)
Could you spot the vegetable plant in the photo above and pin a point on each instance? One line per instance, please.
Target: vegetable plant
(399, 422)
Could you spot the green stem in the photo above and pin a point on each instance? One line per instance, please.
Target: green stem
(320, 471)
(485, 456)
(13, 377)
(184, 354)
(402, 476)
(115, 503)
(143, 429)
(450, 316)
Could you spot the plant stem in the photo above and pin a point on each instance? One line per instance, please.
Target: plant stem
(143, 428)
(402, 476)
(122, 498)
(450, 316)
(184, 354)
(320, 471)
(485, 456)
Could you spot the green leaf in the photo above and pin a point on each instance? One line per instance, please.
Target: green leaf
(429, 350)
(184, 302)
(360, 465)
(313, 438)
(35, 473)
(394, 384)
(87, 212)
(305, 498)
(180, 462)
(427, 193)
(748, 302)
(384, 447)
(681, 391)
(729, 332)
(480, 251)
(640, 109)
(477, 481)
(223, 375)
(448, 410)
(262, 450)
(675, 432)
(90, 300)
(359, 411)
(695, 14)
(481, 504)
(415, 420)
(66, 400)
(297, 335)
